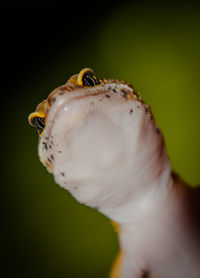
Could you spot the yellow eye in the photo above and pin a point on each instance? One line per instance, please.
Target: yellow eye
(37, 119)
(86, 78)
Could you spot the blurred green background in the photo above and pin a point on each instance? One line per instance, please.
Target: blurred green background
(153, 45)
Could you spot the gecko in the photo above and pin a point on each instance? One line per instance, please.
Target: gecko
(100, 141)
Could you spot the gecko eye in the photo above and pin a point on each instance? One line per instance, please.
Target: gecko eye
(87, 78)
(39, 123)
(37, 120)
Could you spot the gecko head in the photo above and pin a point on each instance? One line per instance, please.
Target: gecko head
(96, 136)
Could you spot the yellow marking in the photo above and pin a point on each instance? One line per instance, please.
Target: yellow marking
(131, 96)
(79, 80)
(49, 166)
(36, 114)
(116, 267)
(80, 76)
(73, 80)
(68, 88)
(116, 226)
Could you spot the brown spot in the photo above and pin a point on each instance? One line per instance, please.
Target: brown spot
(175, 176)
(146, 109)
(52, 157)
(107, 96)
(145, 274)
(131, 111)
(45, 145)
(157, 130)
(59, 151)
(49, 160)
(52, 100)
(63, 174)
(97, 208)
(124, 92)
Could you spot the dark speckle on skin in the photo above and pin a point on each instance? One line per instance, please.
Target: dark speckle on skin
(97, 208)
(124, 92)
(175, 176)
(45, 145)
(53, 100)
(63, 174)
(52, 157)
(112, 89)
(108, 96)
(49, 160)
(145, 274)
(157, 130)
(146, 109)
(52, 142)
(131, 111)
(59, 151)
(138, 106)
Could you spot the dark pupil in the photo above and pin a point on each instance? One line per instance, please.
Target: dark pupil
(89, 80)
(39, 123)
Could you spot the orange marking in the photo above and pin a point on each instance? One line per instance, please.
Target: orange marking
(116, 267)
(116, 226)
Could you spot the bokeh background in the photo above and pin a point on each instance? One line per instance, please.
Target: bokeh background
(153, 45)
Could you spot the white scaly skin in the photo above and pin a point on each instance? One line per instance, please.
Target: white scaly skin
(102, 144)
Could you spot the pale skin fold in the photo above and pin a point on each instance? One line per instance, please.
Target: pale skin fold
(101, 143)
